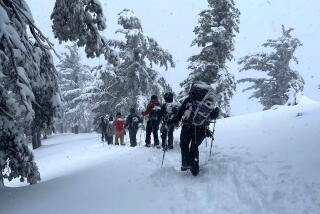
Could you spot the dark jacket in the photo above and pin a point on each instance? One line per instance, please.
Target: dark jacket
(132, 121)
(102, 126)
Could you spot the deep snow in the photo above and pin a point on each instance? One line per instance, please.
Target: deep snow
(266, 162)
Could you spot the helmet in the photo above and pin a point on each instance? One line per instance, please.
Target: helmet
(168, 97)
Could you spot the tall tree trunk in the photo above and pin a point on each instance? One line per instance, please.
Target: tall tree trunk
(36, 139)
(39, 139)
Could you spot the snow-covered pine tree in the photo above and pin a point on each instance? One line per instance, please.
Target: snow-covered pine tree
(282, 84)
(81, 22)
(100, 92)
(28, 79)
(47, 98)
(28, 86)
(74, 80)
(215, 34)
(136, 78)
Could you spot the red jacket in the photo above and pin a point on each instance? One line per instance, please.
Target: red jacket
(150, 106)
(119, 125)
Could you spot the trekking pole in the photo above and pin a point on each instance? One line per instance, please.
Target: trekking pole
(206, 137)
(214, 128)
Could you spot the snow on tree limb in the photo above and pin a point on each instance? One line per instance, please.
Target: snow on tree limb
(283, 83)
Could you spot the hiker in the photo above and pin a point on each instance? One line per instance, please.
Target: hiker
(153, 111)
(119, 127)
(132, 124)
(110, 130)
(168, 110)
(102, 126)
(195, 126)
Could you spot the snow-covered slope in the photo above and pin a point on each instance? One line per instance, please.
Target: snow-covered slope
(267, 162)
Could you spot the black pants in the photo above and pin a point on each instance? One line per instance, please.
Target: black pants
(103, 136)
(167, 132)
(190, 139)
(133, 136)
(152, 127)
(109, 139)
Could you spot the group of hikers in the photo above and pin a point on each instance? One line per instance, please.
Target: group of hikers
(194, 114)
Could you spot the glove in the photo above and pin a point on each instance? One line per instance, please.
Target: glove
(162, 129)
(209, 133)
(173, 121)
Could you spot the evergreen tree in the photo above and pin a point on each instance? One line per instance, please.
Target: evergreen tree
(74, 80)
(215, 34)
(135, 76)
(100, 93)
(282, 84)
(25, 72)
(81, 22)
(29, 94)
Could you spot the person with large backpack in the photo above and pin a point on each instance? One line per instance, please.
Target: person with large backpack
(153, 111)
(196, 112)
(132, 124)
(168, 110)
(119, 127)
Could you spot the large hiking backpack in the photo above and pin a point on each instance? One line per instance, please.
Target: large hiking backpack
(171, 110)
(134, 121)
(204, 102)
(155, 113)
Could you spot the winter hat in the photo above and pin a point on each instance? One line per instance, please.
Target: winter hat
(154, 97)
(132, 110)
(168, 97)
(110, 118)
(118, 114)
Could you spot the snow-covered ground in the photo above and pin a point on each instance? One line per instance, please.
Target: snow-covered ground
(266, 162)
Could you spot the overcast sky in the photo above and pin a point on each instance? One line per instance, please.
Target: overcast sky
(171, 23)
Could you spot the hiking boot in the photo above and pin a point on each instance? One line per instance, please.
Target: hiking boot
(164, 148)
(147, 145)
(195, 167)
(170, 147)
(185, 167)
(157, 146)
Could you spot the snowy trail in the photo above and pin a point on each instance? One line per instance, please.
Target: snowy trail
(255, 168)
